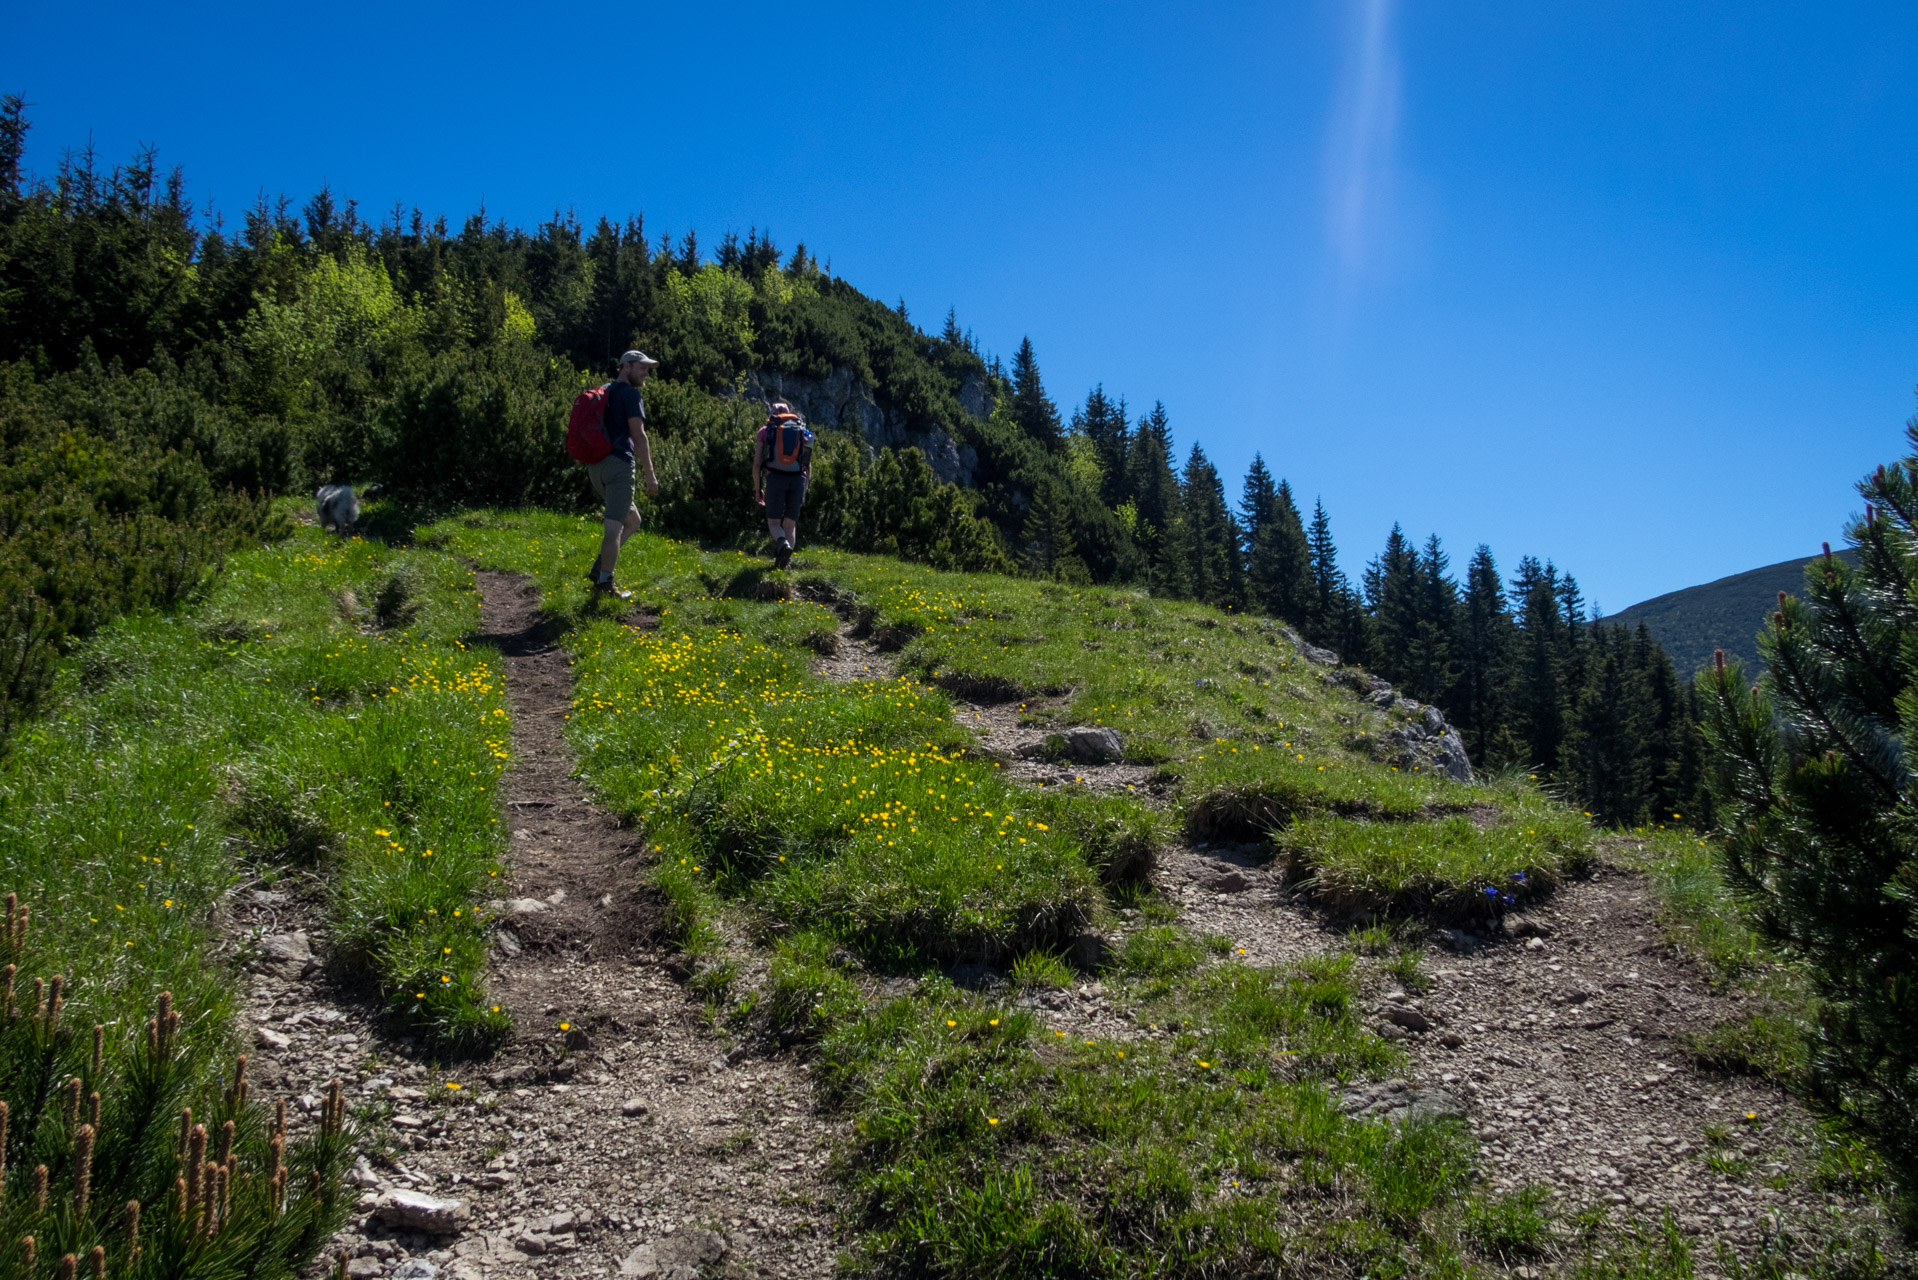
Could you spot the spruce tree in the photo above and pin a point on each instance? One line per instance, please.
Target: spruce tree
(1210, 542)
(1392, 598)
(1289, 559)
(1329, 586)
(1538, 684)
(1432, 666)
(1154, 490)
(1278, 561)
(1049, 547)
(1812, 773)
(1256, 497)
(1032, 409)
(1605, 751)
(1486, 635)
(1104, 424)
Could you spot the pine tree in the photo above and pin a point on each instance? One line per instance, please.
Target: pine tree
(1210, 543)
(1486, 636)
(1605, 757)
(1278, 561)
(1329, 584)
(1049, 547)
(1256, 498)
(1538, 684)
(1289, 559)
(1392, 598)
(1812, 774)
(1432, 666)
(1032, 409)
(1154, 491)
(1104, 424)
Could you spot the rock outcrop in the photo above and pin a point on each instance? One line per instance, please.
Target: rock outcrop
(1422, 736)
(846, 403)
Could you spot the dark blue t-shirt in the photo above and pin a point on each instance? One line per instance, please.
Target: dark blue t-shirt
(623, 401)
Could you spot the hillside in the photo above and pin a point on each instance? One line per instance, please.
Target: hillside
(874, 919)
(1725, 614)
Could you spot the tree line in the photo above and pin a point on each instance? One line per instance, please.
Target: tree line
(318, 344)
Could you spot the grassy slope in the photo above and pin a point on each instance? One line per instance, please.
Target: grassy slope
(849, 836)
(259, 733)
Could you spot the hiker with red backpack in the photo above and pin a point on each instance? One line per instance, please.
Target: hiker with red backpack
(607, 432)
(782, 464)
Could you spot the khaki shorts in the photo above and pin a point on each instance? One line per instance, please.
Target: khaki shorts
(612, 479)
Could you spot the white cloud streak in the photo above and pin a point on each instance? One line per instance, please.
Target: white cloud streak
(1360, 140)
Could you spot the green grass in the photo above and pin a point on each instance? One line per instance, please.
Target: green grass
(856, 837)
(1702, 918)
(264, 731)
(1454, 865)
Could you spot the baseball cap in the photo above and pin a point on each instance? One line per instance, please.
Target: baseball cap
(637, 357)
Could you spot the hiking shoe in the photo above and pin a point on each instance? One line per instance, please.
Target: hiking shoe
(782, 554)
(592, 573)
(604, 587)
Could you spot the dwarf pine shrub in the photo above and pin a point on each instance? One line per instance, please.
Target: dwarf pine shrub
(1812, 772)
(127, 1152)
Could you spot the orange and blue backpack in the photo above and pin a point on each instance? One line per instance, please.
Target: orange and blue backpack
(788, 443)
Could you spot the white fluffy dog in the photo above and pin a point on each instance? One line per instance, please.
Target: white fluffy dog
(338, 507)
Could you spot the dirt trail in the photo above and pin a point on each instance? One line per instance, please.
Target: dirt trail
(649, 1146)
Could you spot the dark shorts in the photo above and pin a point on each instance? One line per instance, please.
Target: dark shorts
(785, 494)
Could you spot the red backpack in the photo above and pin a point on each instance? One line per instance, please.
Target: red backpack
(586, 437)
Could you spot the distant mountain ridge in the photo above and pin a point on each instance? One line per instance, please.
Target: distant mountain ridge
(1725, 614)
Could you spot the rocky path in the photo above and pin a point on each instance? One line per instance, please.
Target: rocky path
(619, 1132)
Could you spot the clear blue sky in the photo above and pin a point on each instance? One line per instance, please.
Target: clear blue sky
(1627, 285)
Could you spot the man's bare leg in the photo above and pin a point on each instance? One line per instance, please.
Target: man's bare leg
(617, 531)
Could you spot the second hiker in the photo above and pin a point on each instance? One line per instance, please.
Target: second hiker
(782, 463)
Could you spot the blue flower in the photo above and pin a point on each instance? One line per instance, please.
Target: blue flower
(1491, 892)
(1519, 876)
(1507, 899)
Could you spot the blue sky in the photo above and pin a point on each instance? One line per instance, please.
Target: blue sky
(1625, 285)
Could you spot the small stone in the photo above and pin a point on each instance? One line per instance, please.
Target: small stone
(512, 1076)
(362, 1174)
(641, 1264)
(422, 1212)
(1406, 1016)
(287, 947)
(268, 1038)
(408, 1122)
(415, 1269)
(1452, 1040)
(1230, 882)
(364, 1268)
(1535, 944)
(632, 1107)
(527, 906)
(531, 1242)
(1094, 746)
(687, 1250)
(508, 942)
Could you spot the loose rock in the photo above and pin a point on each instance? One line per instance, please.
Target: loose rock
(421, 1212)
